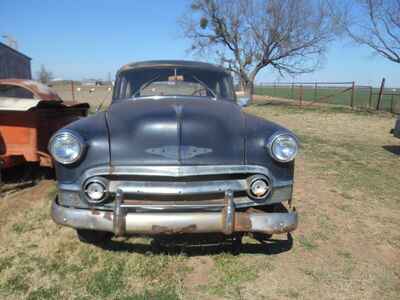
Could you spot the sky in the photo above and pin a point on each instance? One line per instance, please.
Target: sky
(92, 39)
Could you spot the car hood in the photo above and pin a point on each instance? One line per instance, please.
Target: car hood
(172, 131)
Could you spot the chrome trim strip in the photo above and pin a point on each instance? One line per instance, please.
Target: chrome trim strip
(176, 171)
(177, 188)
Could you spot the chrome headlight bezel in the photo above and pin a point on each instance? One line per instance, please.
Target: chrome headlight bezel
(97, 180)
(79, 142)
(279, 137)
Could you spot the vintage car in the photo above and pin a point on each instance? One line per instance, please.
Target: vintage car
(174, 154)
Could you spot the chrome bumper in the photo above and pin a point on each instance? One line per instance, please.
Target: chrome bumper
(121, 222)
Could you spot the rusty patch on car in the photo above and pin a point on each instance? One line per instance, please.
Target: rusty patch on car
(242, 222)
(156, 229)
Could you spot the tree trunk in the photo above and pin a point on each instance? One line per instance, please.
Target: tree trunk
(248, 89)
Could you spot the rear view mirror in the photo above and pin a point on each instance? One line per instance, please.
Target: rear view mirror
(243, 101)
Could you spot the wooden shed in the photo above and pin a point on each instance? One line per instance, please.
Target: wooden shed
(14, 64)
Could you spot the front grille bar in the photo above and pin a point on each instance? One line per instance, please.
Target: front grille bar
(168, 188)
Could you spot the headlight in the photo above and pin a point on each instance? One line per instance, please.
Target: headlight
(66, 147)
(283, 147)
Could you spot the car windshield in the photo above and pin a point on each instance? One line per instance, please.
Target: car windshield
(150, 82)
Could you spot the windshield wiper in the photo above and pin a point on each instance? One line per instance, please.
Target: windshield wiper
(145, 85)
(205, 86)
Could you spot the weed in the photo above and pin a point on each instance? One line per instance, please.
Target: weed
(230, 273)
(16, 283)
(5, 263)
(106, 282)
(158, 294)
(44, 293)
(307, 244)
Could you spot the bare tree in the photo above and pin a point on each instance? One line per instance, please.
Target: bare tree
(249, 35)
(373, 23)
(44, 75)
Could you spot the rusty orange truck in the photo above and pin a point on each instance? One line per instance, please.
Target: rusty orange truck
(30, 113)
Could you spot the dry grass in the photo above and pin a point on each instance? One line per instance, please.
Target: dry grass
(346, 247)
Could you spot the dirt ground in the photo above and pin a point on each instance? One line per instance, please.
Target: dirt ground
(347, 245)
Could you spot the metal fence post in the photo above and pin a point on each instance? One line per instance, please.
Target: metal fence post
(292, 91)
(370, 97)
(391, 104)
(378, 104)
(352, 95)
(301, 95)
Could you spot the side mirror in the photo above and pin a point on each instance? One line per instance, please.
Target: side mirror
(243, 101)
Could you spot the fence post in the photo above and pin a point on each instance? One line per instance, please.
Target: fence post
(301, 95)
(370, 97)
(292, 90)
(391, 104)
(352, 95)
(73, 90)
(315, 91)
(274, 89)
(378, 104)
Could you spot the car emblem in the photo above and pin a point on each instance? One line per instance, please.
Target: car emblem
(171, 152)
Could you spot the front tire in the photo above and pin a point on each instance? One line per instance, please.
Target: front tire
(93, 237)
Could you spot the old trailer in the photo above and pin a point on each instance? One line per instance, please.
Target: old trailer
(29, 114)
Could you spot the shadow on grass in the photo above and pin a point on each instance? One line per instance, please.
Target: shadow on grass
(394, 149)
(193, 245)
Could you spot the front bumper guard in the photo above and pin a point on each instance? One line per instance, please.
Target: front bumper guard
(121, 222)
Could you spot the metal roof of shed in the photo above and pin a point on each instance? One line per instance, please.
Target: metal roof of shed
(15, 51)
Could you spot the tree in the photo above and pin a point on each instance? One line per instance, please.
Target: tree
(44, 75)
(248, 35)
(372, 23)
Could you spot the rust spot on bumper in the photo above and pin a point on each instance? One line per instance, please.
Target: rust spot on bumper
(242, 222)
(166, 230)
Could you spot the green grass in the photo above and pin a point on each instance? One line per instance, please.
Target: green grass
(358, 166)
(230, 273)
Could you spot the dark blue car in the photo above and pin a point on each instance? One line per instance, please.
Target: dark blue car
(174, 154)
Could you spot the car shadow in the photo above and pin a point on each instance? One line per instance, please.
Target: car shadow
(174, 246)
(394, 149)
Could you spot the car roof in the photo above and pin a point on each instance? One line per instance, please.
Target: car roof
(172, 63)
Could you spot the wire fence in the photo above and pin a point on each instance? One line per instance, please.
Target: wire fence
(337, 93)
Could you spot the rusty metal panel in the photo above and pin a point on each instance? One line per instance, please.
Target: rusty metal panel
(26, 124)
(39, 91)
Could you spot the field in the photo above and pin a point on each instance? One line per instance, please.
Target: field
(335, 95)
(99, 95)
(347, 245)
